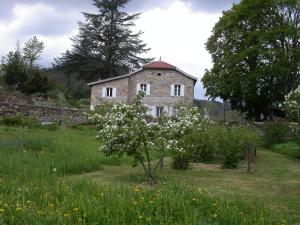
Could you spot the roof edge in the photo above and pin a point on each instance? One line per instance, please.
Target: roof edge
(113, 78)
(186, 74)
(130, 74)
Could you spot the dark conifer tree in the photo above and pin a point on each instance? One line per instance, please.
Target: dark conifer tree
(106, 46)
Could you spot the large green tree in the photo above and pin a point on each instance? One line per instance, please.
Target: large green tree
(106, 46)
(255, 49)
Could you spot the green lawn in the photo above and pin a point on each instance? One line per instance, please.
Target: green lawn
(59, 177)
(275, 180)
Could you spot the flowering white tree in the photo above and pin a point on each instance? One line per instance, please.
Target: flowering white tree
(125, 130)
(292, 105)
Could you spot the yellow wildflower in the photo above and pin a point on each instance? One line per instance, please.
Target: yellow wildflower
(76, 209)
(2, 210)
(215, 215)
(140, 217)
(18, 209)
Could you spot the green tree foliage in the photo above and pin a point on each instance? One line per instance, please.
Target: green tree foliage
(32, 51)
(35, 82)
(14, 69)
(106, 46)
(20, 70)
(255, 49)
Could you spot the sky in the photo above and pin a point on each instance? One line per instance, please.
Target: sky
(175, 30)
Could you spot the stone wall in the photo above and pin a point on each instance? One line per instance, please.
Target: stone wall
(43, 114)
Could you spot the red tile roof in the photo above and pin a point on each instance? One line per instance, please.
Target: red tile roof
(159, 65)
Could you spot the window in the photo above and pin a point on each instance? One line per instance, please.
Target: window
(109, 92)
(177, 90)
(159, 110)
(143, 88)
(158, 74)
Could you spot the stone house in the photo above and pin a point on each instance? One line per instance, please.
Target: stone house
(164, 86)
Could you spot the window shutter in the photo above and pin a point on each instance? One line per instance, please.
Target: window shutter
(182, 90)
(148, 89)
(103, 92)
(138, 88)
(114, 93)
(172, 89)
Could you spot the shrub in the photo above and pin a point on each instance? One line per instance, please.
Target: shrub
(200, 145)
(291, 105)
(217, 142)
(276, 132)
(232, 143)
(19, 120)
(181, 161)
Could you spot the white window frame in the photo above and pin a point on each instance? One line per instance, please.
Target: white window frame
(143, 87)
(177, 90)
(109, 92)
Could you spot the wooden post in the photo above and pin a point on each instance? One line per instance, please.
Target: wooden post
(248, 161)
(224, 113)
(249, 157)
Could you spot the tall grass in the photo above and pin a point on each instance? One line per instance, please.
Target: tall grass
(33, 189)
(86, 203)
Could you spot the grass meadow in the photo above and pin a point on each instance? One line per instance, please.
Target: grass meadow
(60, 177)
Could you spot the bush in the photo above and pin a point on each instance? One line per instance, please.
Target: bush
(181, 161)
(200, 145)
(276, 133)
(291, 105)
(19, 120)
(232, 144)
(227, 144)
(36, 82)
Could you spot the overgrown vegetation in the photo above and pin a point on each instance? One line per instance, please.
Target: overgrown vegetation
(33, 190)
(227, 144)
(124, 129)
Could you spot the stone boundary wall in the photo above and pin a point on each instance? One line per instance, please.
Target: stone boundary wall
(43, 114)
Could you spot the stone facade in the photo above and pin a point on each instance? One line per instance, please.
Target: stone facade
(160, 83)
(121, 87)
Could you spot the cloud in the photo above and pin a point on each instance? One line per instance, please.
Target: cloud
(54, 27)
(208, 6)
